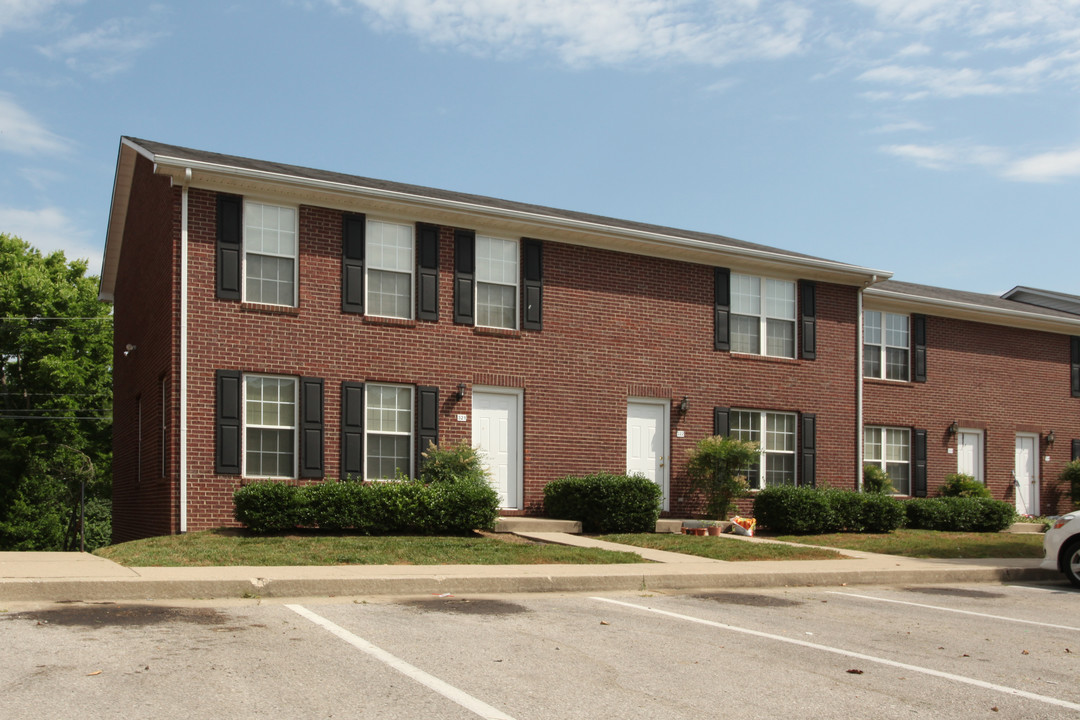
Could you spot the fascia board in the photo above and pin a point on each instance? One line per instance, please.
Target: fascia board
(212, 175)
(114, 234)
(878, 299)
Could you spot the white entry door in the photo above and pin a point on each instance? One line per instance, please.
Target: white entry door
(1026, 474)
(496, 431)
(969, 453)
(647, 442)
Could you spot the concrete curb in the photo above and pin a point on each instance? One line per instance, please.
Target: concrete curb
(220, 583)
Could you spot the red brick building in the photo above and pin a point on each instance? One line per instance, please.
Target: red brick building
(278, 321)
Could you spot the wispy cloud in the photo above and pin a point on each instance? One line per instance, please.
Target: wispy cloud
(107, 49)
(50, 229)
(602, 32)
(949, 157)
(1045, 167)
(23, 14)
(22, 134)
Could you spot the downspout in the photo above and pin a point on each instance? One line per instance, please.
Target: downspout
(184, 349)
(859, 384)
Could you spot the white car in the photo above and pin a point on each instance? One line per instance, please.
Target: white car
(1061, 547)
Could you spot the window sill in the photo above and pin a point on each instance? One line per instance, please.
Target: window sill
(888, 383)
(498, 332)
(270, 309)
(391, 321)
(764, 358)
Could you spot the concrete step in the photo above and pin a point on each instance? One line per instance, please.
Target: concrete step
(536, 524)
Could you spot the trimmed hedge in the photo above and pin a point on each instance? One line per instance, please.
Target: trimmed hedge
(959, 514)
(808, 511)
(605, 503)
(447, 507)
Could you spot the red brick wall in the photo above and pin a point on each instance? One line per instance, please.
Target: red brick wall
(998, 379)
(615, 325)
(146, 310)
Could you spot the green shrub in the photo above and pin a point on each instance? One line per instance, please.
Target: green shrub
(959, 514)
(876, 480)
(794, 511)
(715, 468)
(605, 503)
(961, 485)
(269, 506)
(451, 462)
(882, 513)
(336, 506)
(1070, 476)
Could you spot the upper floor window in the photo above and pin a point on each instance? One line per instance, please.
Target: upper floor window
(885, 345)
(270, 426)
(775, 434)
(269, 254)
(496, 282)
(890, 449)
(388, 430)
(762, 316)
(390, 269)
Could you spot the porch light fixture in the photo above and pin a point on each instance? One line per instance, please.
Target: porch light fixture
(683, 406)
(460, 391)
(954, 428)
(128, 349)
(1050, 439)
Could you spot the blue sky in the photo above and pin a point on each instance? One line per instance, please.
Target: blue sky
(937, 139)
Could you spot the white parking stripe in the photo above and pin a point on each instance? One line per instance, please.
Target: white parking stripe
(851, 654)
(955, 610)
(446, 690)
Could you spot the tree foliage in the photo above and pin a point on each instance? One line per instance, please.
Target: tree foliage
(716, 467)
(55, 399)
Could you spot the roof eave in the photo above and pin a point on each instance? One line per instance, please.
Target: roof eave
(114, 235)
(975, 312)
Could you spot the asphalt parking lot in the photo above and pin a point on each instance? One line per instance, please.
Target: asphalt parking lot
(986, 650)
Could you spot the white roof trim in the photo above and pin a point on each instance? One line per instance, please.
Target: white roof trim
(976, 312)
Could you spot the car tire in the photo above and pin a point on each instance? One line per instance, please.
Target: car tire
(1070, 561)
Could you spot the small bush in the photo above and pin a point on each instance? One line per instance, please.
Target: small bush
(876, 480)
(959, 514)
(605, 503)
(451, 462)
(790, 510)
(269, 506)
(715, 467)
(961, 485)
(1070, 476)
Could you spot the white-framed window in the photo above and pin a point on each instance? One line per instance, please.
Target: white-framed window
(388, 431)
(270, 233)
(496, 282)
(886, 339)
(389, 262)
(890, 449)
(270, 419)
(762, 316)
(775, 434)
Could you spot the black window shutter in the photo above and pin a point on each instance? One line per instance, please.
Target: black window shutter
(918, 452)
(352, 429)
(353, 244)
(311, 427)
(1074, 342)
(427, 272)
(808, 309)
(427, 420)
(918, 323)
(230, 218)
(464, 276)
(808, 443)
(1076, 449)
(228, 391)
(532, 284)
(721, 421)
(721, 309)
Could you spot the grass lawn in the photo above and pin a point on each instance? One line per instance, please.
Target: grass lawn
(721, 548)
(231, 547)
(932, 543)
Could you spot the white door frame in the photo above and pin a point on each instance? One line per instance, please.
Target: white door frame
(663, 468)
(1034, 487)
(515, 491)
(978, 471)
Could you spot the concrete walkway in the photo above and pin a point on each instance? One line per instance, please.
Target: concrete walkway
(33, 576)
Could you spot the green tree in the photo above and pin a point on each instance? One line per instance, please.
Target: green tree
(55, 399)
(716, 468)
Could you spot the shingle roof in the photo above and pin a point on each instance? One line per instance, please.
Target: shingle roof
(990, 302)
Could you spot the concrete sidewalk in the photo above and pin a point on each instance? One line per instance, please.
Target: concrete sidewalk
(33, 576)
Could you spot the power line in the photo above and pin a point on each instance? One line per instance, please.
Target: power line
(36, 318)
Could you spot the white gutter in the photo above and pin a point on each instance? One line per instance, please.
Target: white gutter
(665, 239)
(977, 312)
(184, 350)
(859, 392)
